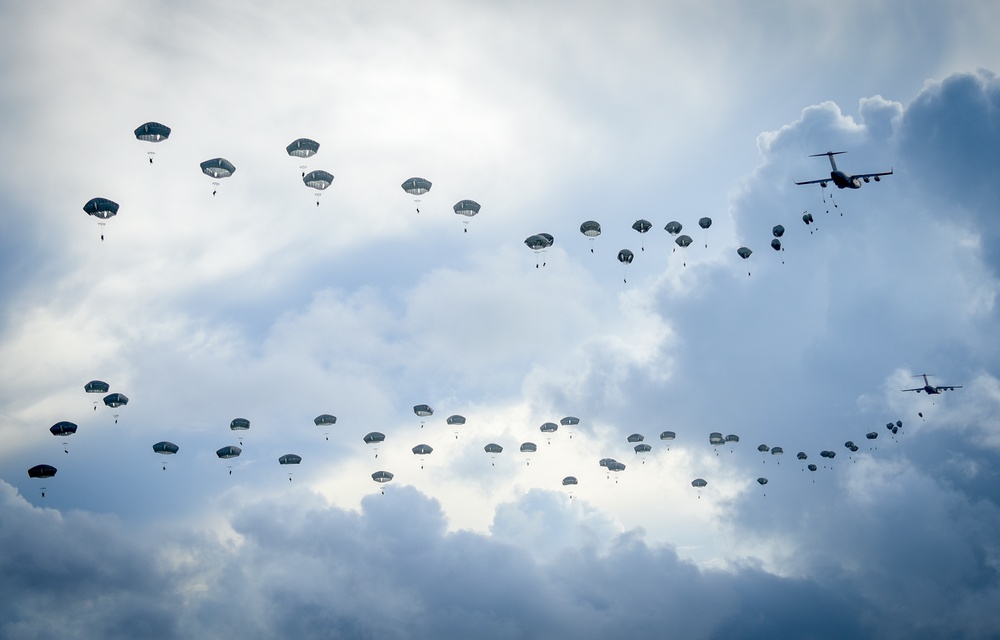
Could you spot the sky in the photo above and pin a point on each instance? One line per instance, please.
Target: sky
(259, 303)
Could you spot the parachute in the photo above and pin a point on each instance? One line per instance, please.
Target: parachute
(570, 421)
(422, 450)
(529, 448)
(777, 231)
(226, 453)
(42, 471)
(422, 411)
(382, 477)
(96, 386)
(668, 436)
(699, 484)
(673, 227)
(167, 449)
(808, 219)
(636, 437)
(289, 458)
(115, 400)
(591, 229)
(625, 257)
(102, 209)
(302, 148)
(705, 223)
(374, 438)
(762, 482)
(642, 226)
(467, 208)
(325, 420)
(239, 424)
(455, 421)
(539, 243)
(152, 132)
(318, 180)
(642, 448)
(744, 253)
(63, 429)
(683, 241)
(217, 169)
(416, 187)
(777, 451)
(493, 449)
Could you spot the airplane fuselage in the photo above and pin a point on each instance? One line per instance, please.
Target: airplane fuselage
(844, 181)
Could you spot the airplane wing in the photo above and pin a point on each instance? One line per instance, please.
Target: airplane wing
(816, 181)
(865, 176)
(918, 389)
(950, 388)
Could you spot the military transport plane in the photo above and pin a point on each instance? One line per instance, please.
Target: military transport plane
(841, 179)
(930, 389)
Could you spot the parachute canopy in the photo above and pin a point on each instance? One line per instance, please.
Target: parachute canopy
(569, 421)
(568, 480)
(705, 222)
(732, 437)
(374, 436)
(41, 471)
(802, 455)
(636, 437)
(467, 208)
(778, 230)
(455, 419)
(101, 208)
(382, 477)
(318, 179)
(64, 428)
(590, 228)
(166, 448)
(422, 449)
(218, 168)
(239, 424)
(763, 448)
(744, 252)
(96, 386)
(668, 435)
(529, 447)
(302, 148)
(683, 240)
(229, 452)
(673, 227)
(325, 419)
(416, 186)
(548, 427)
(642, 448)
(152, 132)
(538, 241)
(290, 458)
(493, 448)
(625, 256)
(115, 400)
(699, 482)
(423, 410)
(642, 226)
(762, 481)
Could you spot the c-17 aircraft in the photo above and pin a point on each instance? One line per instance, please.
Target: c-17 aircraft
(841, 179)
(930, 389)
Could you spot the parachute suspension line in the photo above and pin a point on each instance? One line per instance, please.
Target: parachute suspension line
(834, 204)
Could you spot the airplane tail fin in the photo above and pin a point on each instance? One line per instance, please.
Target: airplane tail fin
(829, 154)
